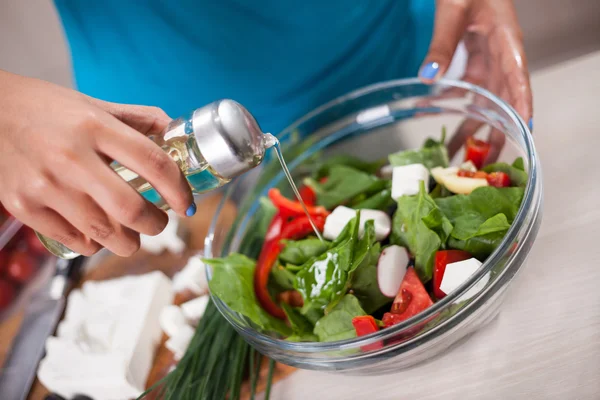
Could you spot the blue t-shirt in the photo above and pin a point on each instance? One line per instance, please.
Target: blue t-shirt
(279, 58)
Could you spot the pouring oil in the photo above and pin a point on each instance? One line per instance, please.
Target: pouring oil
(273, 142)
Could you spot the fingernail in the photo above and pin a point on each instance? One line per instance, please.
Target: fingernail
(530, 124)
(191, 210)
(429, 70)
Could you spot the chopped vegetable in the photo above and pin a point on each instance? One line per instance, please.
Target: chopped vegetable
(443, 258)
(476, 151)
(498, 179)
(365, 325)
(290, 208)
(337, 325)
(391, 268)
(412, 298)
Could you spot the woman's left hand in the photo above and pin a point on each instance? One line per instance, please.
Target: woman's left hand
(494, 42)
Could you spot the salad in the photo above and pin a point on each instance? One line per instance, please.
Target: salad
(398, 235)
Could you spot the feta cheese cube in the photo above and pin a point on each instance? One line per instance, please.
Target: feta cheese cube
(171, 319)
(458, 272)
(406, 178)
(341, 215)
(192, 277)
(166, 240)
(179, 343)
(193, 310)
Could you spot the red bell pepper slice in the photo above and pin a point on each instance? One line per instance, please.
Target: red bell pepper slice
(498, 179)
(443, 258)
(476, 151)
(295, 229)
(292, 208)
(412, 298)
(365, 325)
(308, 195)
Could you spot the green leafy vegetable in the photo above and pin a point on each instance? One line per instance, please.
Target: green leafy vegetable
(364, 282)
(283, 278)
(518, 177)
(337, 325)
(519, 164)
(481, 218)
(432, 154)
(422, 227)
(300, 251)
(343, 184)
(324, 169)
(302, 328)
(233, 282)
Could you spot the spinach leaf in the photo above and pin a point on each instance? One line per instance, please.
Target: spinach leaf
(282, 278)
(343, 184)
(440, 191)
(337, 325)
(255, 236)
(432, 154)
(300, 251)
(379, 201)
(517, 176)
(301, 327)
(482, 218)
(324, 168)
(420, 225)
(233, 282)
(364, 282)
(519, 164)
(323, 280)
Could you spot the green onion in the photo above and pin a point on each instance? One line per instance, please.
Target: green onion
(214, 365)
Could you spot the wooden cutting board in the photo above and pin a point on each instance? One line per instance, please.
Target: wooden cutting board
(111, 267)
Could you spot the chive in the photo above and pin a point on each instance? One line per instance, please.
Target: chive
(269, 379)
(214, 364)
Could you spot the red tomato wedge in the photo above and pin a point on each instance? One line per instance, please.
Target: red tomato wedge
(476, 151)
(365, 325)
(498, 179)
(412, 298)
(443, 258)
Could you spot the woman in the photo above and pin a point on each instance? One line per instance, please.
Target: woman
(280, 59)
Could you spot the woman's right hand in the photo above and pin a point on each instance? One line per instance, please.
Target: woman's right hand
(56, 145)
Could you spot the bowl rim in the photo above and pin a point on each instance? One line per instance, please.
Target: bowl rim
(531, 189)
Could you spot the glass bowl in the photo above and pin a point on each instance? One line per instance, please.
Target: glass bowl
(371, 123)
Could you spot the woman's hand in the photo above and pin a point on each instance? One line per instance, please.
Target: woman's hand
(56, 145)
(496, 57)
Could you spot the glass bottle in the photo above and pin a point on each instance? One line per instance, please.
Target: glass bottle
(211, 146)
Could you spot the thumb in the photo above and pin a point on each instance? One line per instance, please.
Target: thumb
(145, 119)
(449, 28)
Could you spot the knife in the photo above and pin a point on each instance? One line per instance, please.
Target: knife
(41, 317)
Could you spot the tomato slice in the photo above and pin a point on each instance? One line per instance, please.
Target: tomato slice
(8, 293)
(364, 325)
(476, 151)
(498, 179)
(412, 298)
(443, 258)
(21, 266)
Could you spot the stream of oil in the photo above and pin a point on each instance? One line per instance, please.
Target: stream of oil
(271, 141)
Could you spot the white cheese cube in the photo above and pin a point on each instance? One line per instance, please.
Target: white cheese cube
(406, 180)
(458, 272)
(193, 310)
(171, 319)
(341, 215)
(192, 277)
(166, 240)
(106, 349)
(179, 343)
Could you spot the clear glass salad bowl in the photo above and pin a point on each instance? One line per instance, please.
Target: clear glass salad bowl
(371, 123)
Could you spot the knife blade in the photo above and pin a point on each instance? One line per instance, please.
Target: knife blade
(41, 317)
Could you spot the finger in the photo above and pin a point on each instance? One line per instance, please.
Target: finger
(449, 27)
(87, 217)
(145, 119)
(52, 225)
(118, 198)
(144, 157)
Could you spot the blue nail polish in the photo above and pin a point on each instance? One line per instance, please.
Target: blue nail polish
(191, 210)
(530, 124)
(429, 70)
